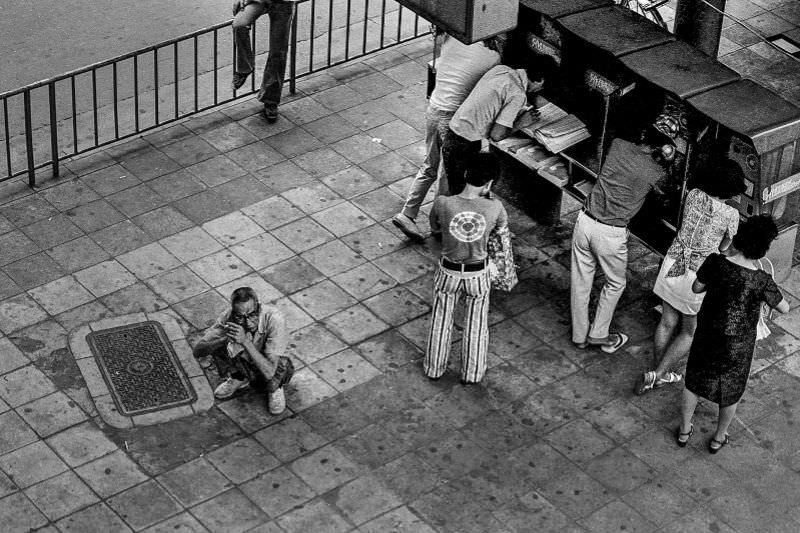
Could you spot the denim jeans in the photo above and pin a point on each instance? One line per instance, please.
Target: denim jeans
(281, 15)
(229, 366)
(456, 155)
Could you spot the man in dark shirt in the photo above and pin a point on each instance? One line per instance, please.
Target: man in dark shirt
(464, 222)
(600, 237)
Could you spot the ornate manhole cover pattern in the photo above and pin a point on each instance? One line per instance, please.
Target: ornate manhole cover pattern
(140, 368)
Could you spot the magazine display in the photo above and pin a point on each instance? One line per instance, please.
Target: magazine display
(556, 129)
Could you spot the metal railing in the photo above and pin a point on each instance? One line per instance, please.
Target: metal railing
(94, 106)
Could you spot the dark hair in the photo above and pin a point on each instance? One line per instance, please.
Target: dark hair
(481, 168)
(243, 294)
(654, 138)
(755, 236)
(541, 67)
(723, 179)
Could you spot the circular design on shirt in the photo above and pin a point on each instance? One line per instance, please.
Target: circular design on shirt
(467, 226)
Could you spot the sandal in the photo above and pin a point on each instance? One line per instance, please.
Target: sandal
(669, 378)
(715, 445)
(646, 382)
(620, 341)
(681, 441)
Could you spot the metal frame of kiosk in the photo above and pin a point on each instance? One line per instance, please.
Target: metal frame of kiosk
(619, 71)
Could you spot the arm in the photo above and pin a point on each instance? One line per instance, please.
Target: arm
(433, 218)
(512, 115)
(266, 359)
(698, 287)
(212, 338)
(525, 119)
(725, 244)
(782, 307)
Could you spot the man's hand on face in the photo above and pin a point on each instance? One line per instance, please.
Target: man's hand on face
(235, 333)
(238, 5)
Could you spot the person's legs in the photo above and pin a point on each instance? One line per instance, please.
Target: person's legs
(475, 342)
(679, 346)
(688, 405)
(581, 278)
(724, 420)
(664, 331)
(276, 400)
(244, 19)
(446, 288)
(427, 173)
(611, 249)
(281, 15)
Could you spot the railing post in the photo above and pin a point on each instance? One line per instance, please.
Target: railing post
(29, 139)
(53, 128)
(293, 56)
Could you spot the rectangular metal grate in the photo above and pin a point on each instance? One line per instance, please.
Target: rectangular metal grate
(140, 368)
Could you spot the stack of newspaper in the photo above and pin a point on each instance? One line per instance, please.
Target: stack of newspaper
(556, 129)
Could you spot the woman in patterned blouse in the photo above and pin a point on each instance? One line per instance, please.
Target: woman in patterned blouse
(708, 226)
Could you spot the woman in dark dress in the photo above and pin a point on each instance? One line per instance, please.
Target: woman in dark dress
(720, 357)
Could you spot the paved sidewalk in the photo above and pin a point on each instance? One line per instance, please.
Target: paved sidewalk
(552, 440)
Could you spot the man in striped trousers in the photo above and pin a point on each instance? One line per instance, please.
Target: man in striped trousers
(464, 222)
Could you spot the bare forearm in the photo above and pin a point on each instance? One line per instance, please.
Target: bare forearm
(265, 362)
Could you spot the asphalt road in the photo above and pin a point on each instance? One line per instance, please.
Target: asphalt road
(38, 43)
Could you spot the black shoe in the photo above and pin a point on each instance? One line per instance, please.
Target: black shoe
(271, 113)
(239, 79)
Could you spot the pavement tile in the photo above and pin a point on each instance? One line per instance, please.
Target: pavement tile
(375, 85)
(620, 471)
(273, 212)
(289, 439)
(266, 292)
(380, 204)
(397, 305)
(313, 343)
(60, 295)
(345, 370)
(229, 512)
(355, 324)
(219, 268)
(176, 185)
(194, 482)
(261, 251)
(389, 169)
(149, 164)
(24, 385)
(111, 474)
(203, 206)
(395, 134)
(52, 231)
(453, 457)
(232, 228)
(105, 278)
(277, 491)
(249, 410)
(373, 242)
(333, 257)
(322, 162)
(77, 254)
(374, 446)
(182, 523)
(31, 464)
(307, 389)
(359, 148)
(136, 200)
(292, 275)
(27, 211)
(82, 314)
(283, 176)
(244, 459)
(364, 281)
(312, 198)
(405, 264)
(168, 135)
(388, 351)
(191, 244)
(255, 156)
(579, 441)
(614, 517)
(400, 520)
(575, 494)
(81, 444)
(367, 115)
(351, 182)
(8, 287)
(343, 219)
(95, 519)
(660, 502)
(144, 505)
(335, 417)
(12, 358)
(94, 216)
(293, 142)
(619, 420)
(330, 129)
(216, 171)
(178, 284)
(61, 495)
(190, 150)
(51, 414)
(33, 270)
(228, 137)
(409, 477)
(110, 179)
(18, 514)
(302, 235)
(148, 260)
(16, 433)
(542, 411)
(244, 191)
(162, 222)
(304, 110)
(313, 516)
(121, 237)
(69, 195)
(258, 126)
(202, 311)
(322, 299)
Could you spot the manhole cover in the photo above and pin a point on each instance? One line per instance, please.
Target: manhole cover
(140, 368)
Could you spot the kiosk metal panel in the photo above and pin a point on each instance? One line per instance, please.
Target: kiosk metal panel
(680, 69)
(559, 8)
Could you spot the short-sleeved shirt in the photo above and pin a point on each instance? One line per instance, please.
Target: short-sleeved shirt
(268, 334)
(458, 69)
(734, 295)
(497, 98)
(465, 225)
(629, 173)
(706, 222)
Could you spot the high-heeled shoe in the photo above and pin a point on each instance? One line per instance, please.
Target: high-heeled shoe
(683, 442)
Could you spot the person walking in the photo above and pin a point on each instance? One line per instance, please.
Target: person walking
(464, 222)
(458, 69)
(708, 225)
(630, 171)
(722, 351)
(281, 14)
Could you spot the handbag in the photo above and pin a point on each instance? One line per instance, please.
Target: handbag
(502, 269)
(762, 330)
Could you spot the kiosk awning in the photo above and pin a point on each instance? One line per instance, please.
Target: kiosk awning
(751, 110)
(559, 8)
(680, 69)
(616, 30)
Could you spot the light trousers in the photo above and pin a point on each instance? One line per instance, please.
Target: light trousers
(593, 244)
(448, 287)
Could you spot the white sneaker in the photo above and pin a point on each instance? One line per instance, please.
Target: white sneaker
(408, 227)
(276, 401)
(229, 387)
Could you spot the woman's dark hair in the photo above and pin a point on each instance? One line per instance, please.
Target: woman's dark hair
(243, 294)
(723, 179)
(541, 67)
(755, 236)
(481, 168)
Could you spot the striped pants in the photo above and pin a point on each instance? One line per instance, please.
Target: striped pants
(448, 286)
